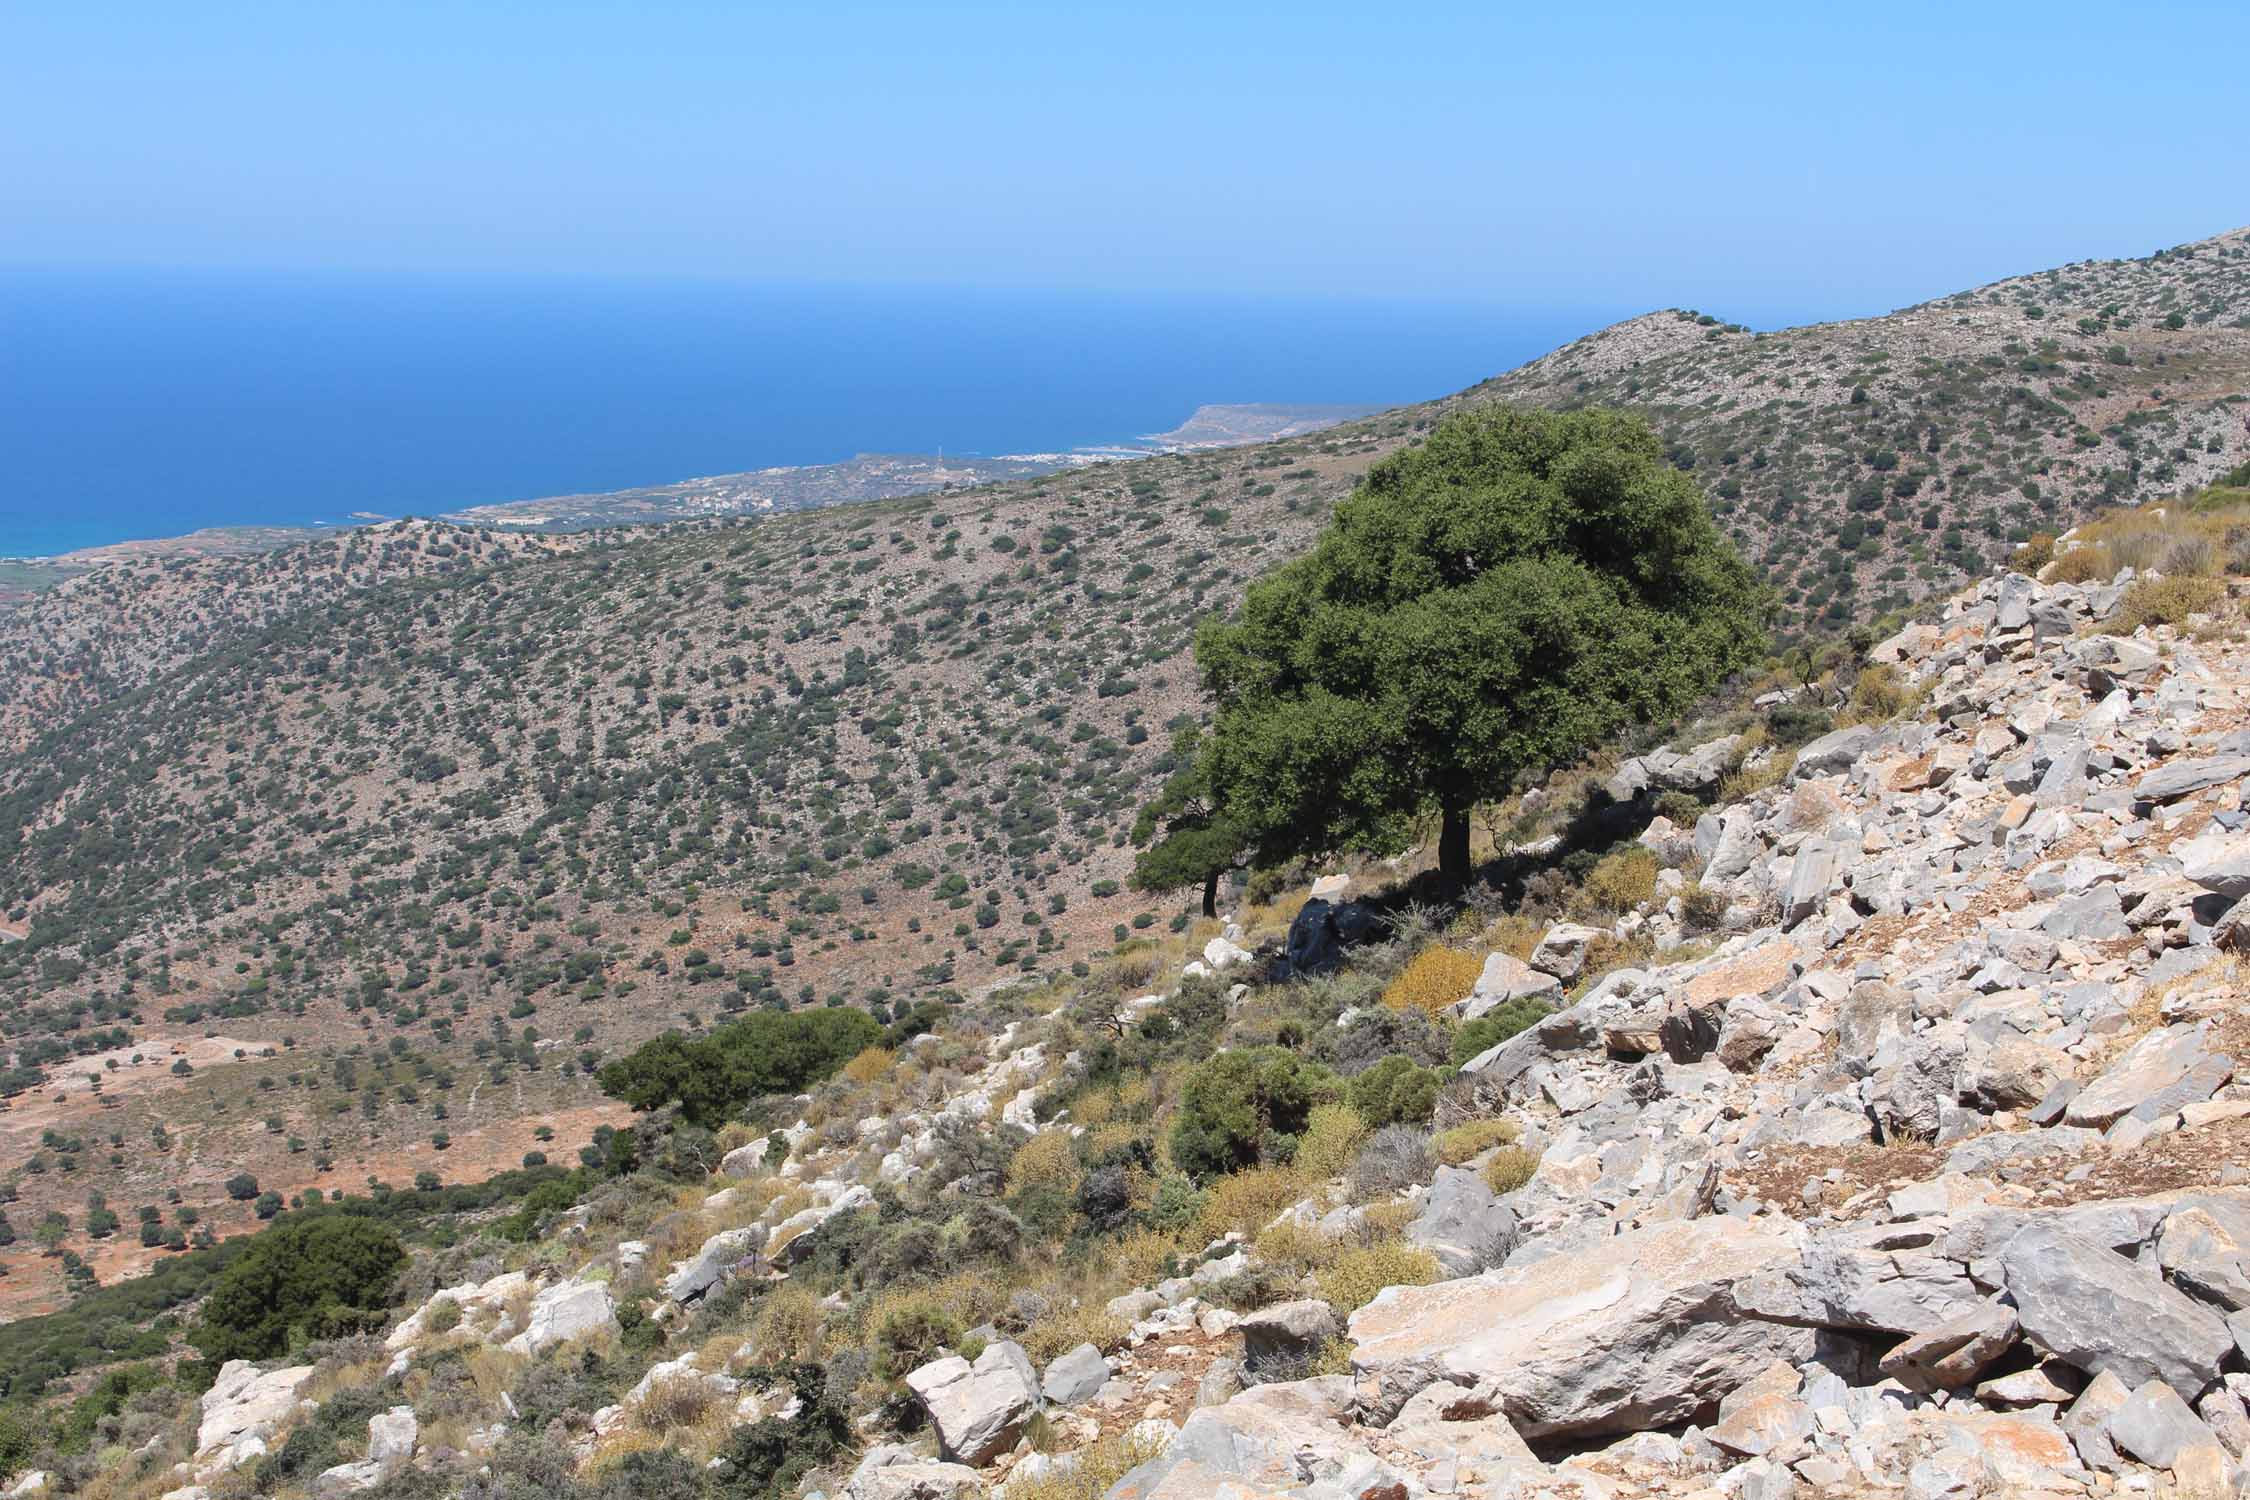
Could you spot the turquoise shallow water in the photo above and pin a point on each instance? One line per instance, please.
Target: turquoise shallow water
(136, 404)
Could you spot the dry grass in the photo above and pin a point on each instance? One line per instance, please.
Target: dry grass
(1098, 1469)
(870, 1065)
(1333, 1133)
(1622, 881)
(1467, 1141)
(2166, 601)
(1352, 1280)
(1044, 1161)
(1295, 1248)
(1059, 1333)
(1509, 1169)
(1435, 978)
(1246, 1202)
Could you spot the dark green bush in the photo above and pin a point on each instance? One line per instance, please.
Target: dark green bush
(710, 1078)
(1397, 1091)
(297, 1281)
(1494, 1027)
(1241, 1107)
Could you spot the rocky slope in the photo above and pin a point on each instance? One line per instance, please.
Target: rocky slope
(1927, 1174)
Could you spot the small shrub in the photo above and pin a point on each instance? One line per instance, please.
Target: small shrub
(2083, 564)
(2037, 551)
(2166, 601)
(1395, 1158)
(1496, 1026)
(1246, 1202)
(444, 1316)
(1473, 1139)
(1436, 978)
(1098, 1469)
(905, 1329)
(1294, 1248)
(1509, 1169)
(1333, 1133)
(1396, 1091)
(870, 1064)
(1357, 1275)
(1620, 882)
(1059, 1333)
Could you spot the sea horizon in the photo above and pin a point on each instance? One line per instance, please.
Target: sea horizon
(139, 404)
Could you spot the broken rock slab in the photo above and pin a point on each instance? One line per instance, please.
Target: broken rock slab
(2163, 1071)
(978, 1409)
(1634, 1331)
(2097, 1310)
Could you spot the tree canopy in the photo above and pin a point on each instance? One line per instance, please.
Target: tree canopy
(1520, 586)
(710, 1077)
(1201, 838)
(314, 1279)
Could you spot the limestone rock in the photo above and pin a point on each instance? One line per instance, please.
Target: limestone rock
(1633, 1331)
(1075, 1377)
(2161, 1072)
(978, 1409)
(1282, 1339)
(2155, 1426)
(2104, 1313)
(567, 1310)
(1466, 1225)
(244, 1403)
(1561, 950)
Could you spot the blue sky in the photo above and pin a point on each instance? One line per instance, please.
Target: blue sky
(1801, 158)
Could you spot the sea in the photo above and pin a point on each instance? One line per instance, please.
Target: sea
(138, 404)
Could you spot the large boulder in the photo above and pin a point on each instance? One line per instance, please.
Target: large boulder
(2177, 780)
(2105, 1314)
(1466, 1225)
(1876, 1282)
(896, 1472)
(565, 1311)
(1279, 1342)
(1561, 950)
(2163, 1071)
(2204, 1260)
(978, 1409)
(245, 1403)
(700, 1272)
(1262, 1442)
(1833, 751)
(1504, 978)
(1634, 1331)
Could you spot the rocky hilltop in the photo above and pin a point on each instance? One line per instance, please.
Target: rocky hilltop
(1904, 1154)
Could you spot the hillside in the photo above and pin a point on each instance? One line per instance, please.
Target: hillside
(1865, 463)
(349, 861)
(1866, 1121)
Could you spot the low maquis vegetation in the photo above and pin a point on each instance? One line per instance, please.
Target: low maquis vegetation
(1493, 601)
(712, 1077)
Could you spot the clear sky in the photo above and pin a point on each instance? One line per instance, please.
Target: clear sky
(1828, 158)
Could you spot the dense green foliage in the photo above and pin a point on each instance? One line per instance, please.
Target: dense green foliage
(314, 1279)
(1202, 839)
(711, 1077)
(1494, 1027)
(1517, 588)
(1244, 1106)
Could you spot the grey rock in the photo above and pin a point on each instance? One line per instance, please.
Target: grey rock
(702, 1271)
(2163, 1071)
(2103, 1313)
(978, 1409)
(1075, 1377)
(1467, 1226)
(1813, 873)
(1279, 1342)
(1955, 1352)
(1836, 1285)
(2155, 1426)
(2181, 777)
(2203, 1259)
(2092, 916)
(2218, 861)
(1834, 750)
(2222, 1411)
(895, 1472)
(1624, 1333)
(1872, 1014)
(391, 1435)
(1562, 950)
(2086, 1424)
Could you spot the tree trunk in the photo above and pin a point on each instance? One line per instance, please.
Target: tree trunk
(1453, 847)
(1211, 894)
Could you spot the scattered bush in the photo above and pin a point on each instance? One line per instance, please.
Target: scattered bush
(1473, 1139)
(1352, 1281)
(1333, 1133)
(1435, 978)
(2166, 601)
(1495, 1026)
(1395, 1158)
(1509, 1169)
(299, 1281)
(1244, 1107)
(1396, 1091)
(1620, 882)
(1246, 1202)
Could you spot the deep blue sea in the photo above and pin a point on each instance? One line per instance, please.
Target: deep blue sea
(142, 404)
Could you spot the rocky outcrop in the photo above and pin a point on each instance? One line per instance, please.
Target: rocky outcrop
(1636, 1331)
(978, 1409)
